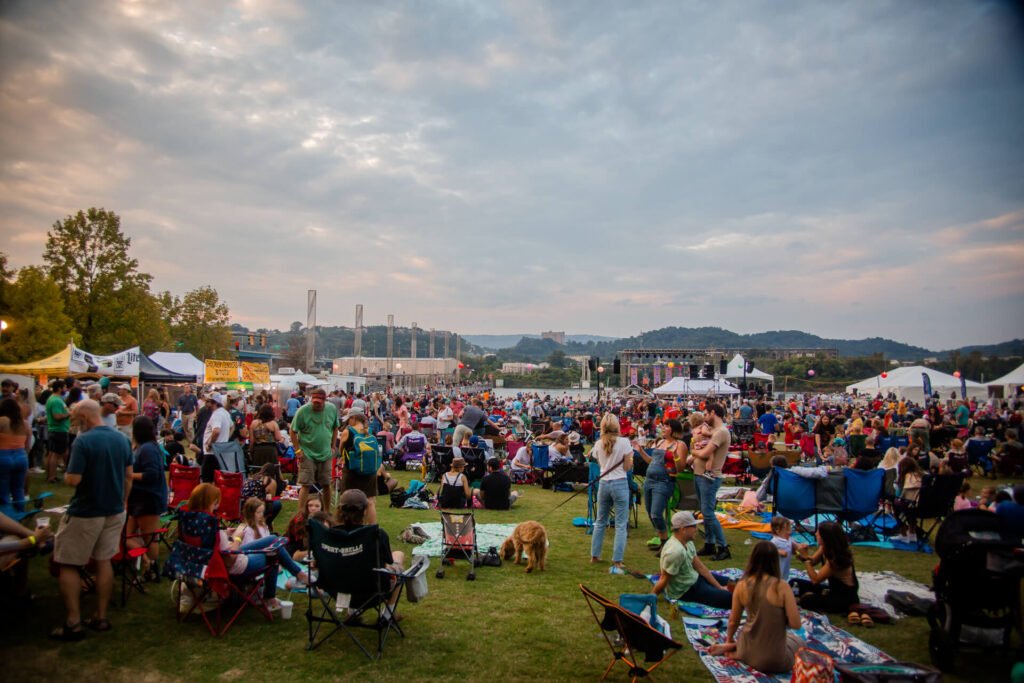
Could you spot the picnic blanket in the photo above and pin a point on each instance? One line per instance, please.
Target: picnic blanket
(874, 586)
(817, 632)
(888, 544)
(746, 521)
(487, 535)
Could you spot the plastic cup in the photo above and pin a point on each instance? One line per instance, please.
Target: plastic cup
(286, 609)
(42, 522)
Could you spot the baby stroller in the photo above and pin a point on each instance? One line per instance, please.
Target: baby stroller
(975, 583)
(458, 542)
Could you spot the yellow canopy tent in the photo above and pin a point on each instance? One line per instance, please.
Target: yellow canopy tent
(57, 364)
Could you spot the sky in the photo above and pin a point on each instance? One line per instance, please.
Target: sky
(848, 169)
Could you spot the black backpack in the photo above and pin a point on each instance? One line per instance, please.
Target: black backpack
(398, 497)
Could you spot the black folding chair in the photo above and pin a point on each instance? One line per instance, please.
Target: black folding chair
(934, 503)
(349, 566)
(635, 636)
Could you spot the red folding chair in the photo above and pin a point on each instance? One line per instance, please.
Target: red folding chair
(183, 480)
(230, 486)
(760, 441)
(127, 560)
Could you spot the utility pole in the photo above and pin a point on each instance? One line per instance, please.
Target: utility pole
(357, 345)
(310, 329)
(391, 343)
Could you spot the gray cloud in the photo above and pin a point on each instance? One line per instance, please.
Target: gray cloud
(851, 170)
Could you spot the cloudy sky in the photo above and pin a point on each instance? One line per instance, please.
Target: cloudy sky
(849, 169)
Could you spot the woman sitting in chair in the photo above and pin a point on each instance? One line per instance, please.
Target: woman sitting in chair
(241, 563)
(455, 491)
(764, 643)
(351, 515)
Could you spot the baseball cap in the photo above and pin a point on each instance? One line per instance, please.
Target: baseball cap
(216, 398)
(112, 398)
(124, 387)
(353, 499)
(683, 519)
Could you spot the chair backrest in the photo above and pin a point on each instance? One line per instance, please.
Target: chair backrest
(937, 494)
(979, 448)
(863, 492)
(794, 495)
(183, 480)
(415, 445)
(539, 456)
(346, 559)
(637, 634)
(443, 456)
(230, 486)
(857, 443)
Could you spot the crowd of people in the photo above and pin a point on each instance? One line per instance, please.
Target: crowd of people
(115, 452)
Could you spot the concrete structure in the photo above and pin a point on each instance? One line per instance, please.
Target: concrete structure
(557, 337)
(522, 368)
(410, 372)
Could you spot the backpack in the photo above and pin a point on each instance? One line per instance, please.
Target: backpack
(363, 455)
(398, 497)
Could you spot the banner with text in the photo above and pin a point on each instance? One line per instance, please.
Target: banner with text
(256, 373)
(124, 364)
(632, 375)
(221, 371)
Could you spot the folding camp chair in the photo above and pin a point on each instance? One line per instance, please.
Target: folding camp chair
(350, 573)
(183, 480)
(30, 507)
(635, 636)
(857, 443)
(934, 503)
(862, 494)
(126, 561)
(230, 486)
(793, 497)
(197, 567)
(415, 454)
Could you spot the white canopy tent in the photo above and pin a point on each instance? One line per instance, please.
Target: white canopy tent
(1010, 382)
(907, 383)
(681, 386)
(180, 363)
(735, 371)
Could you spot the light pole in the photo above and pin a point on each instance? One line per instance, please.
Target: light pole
(600, 371)
(398, 374)
(3, 326)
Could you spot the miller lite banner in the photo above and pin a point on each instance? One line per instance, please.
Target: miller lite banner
(123, 364)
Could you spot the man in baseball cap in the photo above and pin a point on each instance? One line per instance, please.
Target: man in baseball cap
(683, 575)
(109, 404)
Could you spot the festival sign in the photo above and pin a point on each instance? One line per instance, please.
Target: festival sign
(927, 382)
(255, 373)
(124, 364)
(632, 375)
(221, 371)
(657, 375)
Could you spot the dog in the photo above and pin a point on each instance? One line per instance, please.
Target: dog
(530, 538)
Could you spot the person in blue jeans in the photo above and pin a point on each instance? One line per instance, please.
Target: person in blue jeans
(682, 575)
(660, 481)
(14, 433)
(707, 469)
(614, 456)
(253, 535)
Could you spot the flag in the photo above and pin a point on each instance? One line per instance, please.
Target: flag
(963, 387)
(927, 386)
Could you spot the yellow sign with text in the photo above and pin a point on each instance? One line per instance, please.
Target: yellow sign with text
(221, 371)
(257, 373)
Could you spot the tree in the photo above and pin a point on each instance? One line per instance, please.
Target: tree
(557, 358)
(5, 282)
(87, 256)
(37, 324)
(200, 322)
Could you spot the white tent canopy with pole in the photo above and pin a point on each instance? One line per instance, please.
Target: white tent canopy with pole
(180, 363)
(735, 371)
(907, 383)
(1010, 382)
(681, 386)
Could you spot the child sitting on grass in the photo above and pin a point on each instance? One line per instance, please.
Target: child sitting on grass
(962, 501)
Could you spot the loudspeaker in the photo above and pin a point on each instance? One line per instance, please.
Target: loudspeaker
(694, 371)
(616, 367)
(709, 371)
(749, 365)
(592, 363)
(723, 367)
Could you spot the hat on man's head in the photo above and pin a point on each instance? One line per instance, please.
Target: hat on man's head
(574, 438)
(112, 398)
(124, 387)
(216, 398)
(683, 519)
(474, 441)
(353, 499)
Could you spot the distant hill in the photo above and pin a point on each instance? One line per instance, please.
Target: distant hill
(496, 342)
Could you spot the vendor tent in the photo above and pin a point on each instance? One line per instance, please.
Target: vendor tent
(74, 361)
(697, 387)
(908, 383)
(735, 371)
(57, 364)
(1010, 382)
(180, 363)
(150, 371)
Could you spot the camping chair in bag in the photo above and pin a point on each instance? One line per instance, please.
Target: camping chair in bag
(350, 573)
(458, 542)
(635, 636)
(197, 567)
(230, 486)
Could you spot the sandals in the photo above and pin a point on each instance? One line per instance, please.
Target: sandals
(866, 621)
(69, 633)
(97, 624)
(854, 619)
(860, 619)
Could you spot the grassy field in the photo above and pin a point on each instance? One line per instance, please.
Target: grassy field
(505, 626)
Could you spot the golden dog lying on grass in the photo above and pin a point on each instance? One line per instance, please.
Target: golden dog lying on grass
(531, 538)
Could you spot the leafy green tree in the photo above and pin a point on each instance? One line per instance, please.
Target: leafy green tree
(5, 282)
(87, 256)
(37, 324)
(199, 322)
(557, 358)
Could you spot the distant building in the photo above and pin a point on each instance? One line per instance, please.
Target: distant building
(557, 337)
(522, 368)
(405, 371)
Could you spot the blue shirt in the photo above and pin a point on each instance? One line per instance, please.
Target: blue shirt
(746, 412)
(1013, 516)
(785, 545)
(768, 422)
(101, 456)
(292, 406)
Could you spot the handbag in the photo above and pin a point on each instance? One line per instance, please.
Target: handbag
(812, 666)
(416, 584)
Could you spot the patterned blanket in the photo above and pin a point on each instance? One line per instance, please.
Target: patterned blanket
(817, 633)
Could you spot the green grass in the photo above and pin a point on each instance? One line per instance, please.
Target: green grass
(505, 626)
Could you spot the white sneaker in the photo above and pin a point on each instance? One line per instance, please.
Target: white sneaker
(37, 470)
(293, 584)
